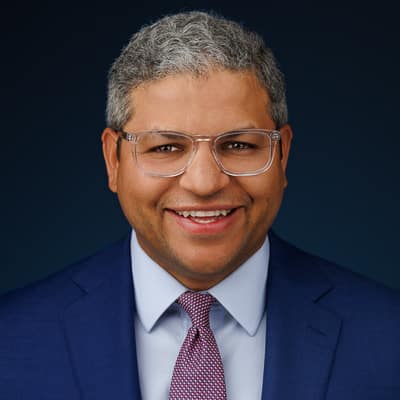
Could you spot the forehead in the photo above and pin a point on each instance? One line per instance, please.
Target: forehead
(217, 101)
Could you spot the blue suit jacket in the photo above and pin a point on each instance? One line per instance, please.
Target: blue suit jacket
(331, 335)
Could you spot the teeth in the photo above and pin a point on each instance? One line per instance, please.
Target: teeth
(194, 214)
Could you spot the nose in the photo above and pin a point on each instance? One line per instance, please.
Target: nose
(203, 177)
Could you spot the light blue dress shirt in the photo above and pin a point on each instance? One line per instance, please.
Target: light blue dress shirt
(238, 320)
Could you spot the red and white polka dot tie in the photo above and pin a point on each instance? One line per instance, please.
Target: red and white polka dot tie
(198, 372)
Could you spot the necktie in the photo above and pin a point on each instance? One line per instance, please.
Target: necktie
(198, 372)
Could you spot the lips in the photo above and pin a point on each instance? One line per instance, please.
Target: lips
(204, 216)
(206, 221)
(204, 213)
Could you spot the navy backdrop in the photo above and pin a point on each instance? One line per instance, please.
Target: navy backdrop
(341, 61)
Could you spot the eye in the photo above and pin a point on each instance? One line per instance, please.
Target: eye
(166, 148)
(237, 146)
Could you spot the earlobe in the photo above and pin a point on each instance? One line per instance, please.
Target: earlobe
(109, 139)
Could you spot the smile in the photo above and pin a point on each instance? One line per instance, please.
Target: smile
(204, 217)
(202, 214)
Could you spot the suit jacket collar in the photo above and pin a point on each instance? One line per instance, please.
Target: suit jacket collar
(100, 330)
(301, 334)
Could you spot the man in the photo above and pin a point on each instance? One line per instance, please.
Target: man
(202, 300)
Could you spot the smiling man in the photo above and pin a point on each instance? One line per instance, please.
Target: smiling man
(201, 300)
(202, 223)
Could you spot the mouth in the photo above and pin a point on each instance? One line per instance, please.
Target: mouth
(204, 216)
(208, 222)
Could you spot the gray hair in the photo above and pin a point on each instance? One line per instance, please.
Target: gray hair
(191, 42)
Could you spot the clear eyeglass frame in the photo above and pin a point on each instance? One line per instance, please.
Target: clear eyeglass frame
(273, 135)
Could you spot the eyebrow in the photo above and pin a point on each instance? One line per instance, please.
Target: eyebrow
(245, 126)
(168, 134)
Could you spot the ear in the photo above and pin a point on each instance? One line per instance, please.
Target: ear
(286, 140)
(109, 139)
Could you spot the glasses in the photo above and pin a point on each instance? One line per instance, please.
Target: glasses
(245, 152)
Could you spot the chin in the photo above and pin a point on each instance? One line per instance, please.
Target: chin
(207, 269)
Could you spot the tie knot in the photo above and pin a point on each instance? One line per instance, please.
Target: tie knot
(197, 305)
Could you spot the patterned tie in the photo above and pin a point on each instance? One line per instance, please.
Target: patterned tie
(198, 372)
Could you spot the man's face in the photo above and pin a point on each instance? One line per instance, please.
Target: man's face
(199, 252)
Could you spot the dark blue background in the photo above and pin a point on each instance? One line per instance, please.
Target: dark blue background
(342, 66)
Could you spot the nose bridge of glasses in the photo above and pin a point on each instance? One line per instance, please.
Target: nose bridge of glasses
(201, 138)
(196, 139)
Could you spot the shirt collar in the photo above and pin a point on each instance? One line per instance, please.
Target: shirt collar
(242, 293)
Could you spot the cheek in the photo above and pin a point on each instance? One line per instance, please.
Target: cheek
(266, 192)
(139, 195)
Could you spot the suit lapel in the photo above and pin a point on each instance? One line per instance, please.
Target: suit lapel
(301, 334)
(99, 327)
